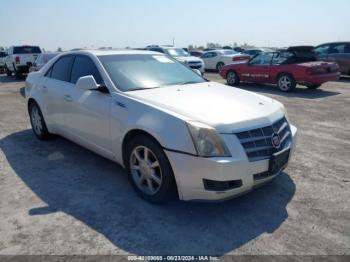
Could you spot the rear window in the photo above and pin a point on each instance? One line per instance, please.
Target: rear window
(26, 50)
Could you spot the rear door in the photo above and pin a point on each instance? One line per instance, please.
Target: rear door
(53, 87)
(87, 113)
(258, 69)
(337, 52)
(340, 53)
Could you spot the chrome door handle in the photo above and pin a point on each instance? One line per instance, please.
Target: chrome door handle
(68, 98)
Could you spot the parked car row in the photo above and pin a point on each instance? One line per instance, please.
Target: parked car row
(19, 60)
(286, 68)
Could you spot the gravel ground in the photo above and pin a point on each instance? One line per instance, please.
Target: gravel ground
(58, 198)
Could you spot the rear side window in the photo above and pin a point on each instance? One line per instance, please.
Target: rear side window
(60, 69)
(159, 50)
(26, 50)
(84, 66)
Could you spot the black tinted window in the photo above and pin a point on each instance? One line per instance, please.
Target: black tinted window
(61, 68)
(159, 50)
(26, 50)
(84, 66)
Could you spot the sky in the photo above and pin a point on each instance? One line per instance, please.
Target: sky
(137, 23)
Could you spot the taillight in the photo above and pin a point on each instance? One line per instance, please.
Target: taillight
(17, 60)
(239, 58)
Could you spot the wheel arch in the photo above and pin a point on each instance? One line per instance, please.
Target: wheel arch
(231, 70)
(283, 73)
(132, 134)
(140, 132)
(30, 102)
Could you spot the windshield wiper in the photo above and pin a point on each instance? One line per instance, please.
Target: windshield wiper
(187, 83)
(140, 88)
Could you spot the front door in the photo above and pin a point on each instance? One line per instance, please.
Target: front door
(258, 69)
(87, 113)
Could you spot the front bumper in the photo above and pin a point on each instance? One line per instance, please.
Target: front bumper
(190, 171)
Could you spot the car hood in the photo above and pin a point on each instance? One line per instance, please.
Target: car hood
(188, 59)
(225, 108)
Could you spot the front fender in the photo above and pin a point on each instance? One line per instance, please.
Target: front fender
(129, 114)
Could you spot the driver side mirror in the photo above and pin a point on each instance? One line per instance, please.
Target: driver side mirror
(88, 83)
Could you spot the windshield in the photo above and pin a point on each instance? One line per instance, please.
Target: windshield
(135, 72)
(26, 50)
(175, 52)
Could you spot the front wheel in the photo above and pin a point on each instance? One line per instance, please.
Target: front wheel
(150, 170)
(232, 78)
(286, 83)
(313, 86)
(37, 121)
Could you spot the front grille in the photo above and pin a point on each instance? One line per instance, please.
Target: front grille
(257, 143)
(194, 62)
(212, 185)
(195, 66)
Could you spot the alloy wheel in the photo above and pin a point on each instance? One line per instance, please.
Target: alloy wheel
(231, 78)
(145, 170)
(285, 83)
(36, 120)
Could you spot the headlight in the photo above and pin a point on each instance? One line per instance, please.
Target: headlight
(206, 141)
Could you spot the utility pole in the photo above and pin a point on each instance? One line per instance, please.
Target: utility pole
(173, 41)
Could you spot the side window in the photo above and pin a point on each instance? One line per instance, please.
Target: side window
(60, 69)
(159, 50)
(208, 55)
(337, 49)
(347, 49)
(322, 50)
(262, 59)
(84, 66)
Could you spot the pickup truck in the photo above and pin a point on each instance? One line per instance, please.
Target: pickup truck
(2, 61)
(20, 58)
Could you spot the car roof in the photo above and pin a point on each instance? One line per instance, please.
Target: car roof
(332, 43)
(113, 52)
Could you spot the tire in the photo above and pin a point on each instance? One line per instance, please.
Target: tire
(8, 72)
(313, 86)
(18, 74)
(232, 78)
(151, 174)
(286, 83)
(219, 66)
(38, 123)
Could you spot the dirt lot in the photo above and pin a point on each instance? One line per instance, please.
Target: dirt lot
(58, 198)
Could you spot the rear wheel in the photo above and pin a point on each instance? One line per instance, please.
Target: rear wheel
(232, 78)
(8, 72)
(18, 74)
(37, 121)
(150, 170)
(313, 86)
(219, 66)
(286, 82)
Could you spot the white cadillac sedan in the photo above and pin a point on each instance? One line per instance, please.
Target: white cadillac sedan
(176, 134)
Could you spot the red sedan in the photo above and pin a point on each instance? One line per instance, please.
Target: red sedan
(286, 68)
